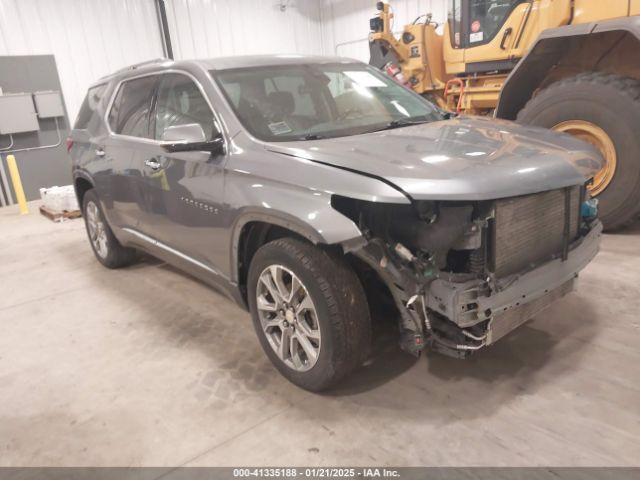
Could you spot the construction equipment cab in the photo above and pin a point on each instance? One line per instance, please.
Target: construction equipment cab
(569, 65)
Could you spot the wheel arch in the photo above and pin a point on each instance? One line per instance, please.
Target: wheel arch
(256, 228)
(608, 47)
(81, 185)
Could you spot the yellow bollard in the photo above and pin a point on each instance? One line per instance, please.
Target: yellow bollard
(17, 184)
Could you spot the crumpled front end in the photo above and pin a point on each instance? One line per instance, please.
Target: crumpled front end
(465, 274)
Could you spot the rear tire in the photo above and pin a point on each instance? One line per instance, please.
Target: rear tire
(104, 244)
(611, 103)
(340, 325)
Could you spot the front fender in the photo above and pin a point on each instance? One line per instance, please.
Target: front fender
(314, 220)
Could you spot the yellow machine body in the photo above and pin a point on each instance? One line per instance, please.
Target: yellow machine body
(519, 59)
(431, 60)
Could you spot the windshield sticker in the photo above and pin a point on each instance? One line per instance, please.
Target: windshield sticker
(365, 79)
(279, 128)
(476, 37)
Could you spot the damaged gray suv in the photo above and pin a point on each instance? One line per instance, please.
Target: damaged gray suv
(297, 185)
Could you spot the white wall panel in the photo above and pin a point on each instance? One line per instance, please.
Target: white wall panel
(346, 22)
(213, 28)
(88, 38)
(91, 38)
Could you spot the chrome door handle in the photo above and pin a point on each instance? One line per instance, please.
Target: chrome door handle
(100, 152)
(153, 164)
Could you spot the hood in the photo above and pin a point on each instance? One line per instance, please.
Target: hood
(462, 159)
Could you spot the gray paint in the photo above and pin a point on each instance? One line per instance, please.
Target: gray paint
(38, 168)
(462, 159)
(198, 203)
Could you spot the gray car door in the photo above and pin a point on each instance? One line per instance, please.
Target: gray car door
(128, 121)
(187, 187)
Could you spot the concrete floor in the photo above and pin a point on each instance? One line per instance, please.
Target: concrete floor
(145, 366)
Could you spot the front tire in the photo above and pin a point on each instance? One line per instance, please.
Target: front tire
(104, 244)
(309, 311)
(604, 110)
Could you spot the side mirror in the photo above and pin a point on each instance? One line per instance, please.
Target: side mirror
(189, 138)
(188, 133)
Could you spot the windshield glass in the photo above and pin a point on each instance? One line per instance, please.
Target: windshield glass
(305, 102)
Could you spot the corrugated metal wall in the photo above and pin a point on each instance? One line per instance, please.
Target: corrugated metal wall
(210, 28)
(346, 22)
(91, 38)
(88, 38)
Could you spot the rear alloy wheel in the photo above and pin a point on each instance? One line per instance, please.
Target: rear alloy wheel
(104, 244)
(96, 230)
(603, 110)
(309, 311)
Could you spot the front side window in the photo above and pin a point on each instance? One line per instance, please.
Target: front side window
(180, 102)
(302, 102)
(129, 114)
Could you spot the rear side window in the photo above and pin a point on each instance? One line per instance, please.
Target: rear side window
(89, 106)
(129, 114)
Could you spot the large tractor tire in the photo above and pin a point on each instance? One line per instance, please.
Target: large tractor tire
(603, 110)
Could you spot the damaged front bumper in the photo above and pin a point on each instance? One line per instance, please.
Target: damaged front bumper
(500, 306)
(457, 315)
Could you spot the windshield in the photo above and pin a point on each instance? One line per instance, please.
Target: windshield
(305, 102)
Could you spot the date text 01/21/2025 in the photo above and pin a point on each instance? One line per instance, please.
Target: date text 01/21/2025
(316, 472)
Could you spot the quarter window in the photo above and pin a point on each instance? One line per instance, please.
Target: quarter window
(88, 108)
(129, 114)
(181, 102)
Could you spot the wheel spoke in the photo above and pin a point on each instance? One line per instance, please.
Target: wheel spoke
(295, 353)
(265, 306)
(276, 275)
(308, 348)
(307, 331)
(305, 304)
(295, 286)
(284, 348)
(267, 279)
(271, 324)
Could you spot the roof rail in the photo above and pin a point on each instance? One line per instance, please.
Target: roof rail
(133, 67)
(142, 64)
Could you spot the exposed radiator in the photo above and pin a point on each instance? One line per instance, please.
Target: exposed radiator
(529, 230)
(505, 323)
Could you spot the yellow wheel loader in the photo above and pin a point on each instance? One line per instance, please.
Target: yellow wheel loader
(569, 65)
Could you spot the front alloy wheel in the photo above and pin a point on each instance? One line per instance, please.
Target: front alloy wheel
(309, 311)
(288, 317)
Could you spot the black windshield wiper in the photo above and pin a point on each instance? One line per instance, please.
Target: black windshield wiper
(312, 136)
(399, 124)
(446, 115)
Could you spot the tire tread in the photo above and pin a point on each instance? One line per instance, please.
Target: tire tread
(625, 86)
(345, 300)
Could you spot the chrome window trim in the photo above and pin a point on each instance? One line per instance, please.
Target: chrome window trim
(174, 252)
(151, 141)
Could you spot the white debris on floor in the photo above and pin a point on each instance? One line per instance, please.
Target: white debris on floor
(59, 199)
